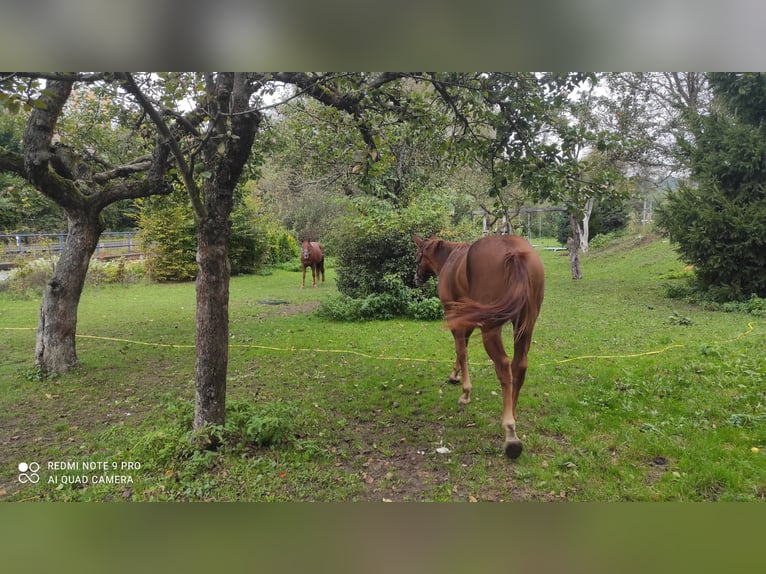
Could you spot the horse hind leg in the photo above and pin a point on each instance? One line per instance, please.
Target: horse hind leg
(460, 369)
(519, 366)
(493, 343)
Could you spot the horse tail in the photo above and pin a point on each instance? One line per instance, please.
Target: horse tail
(516, 304)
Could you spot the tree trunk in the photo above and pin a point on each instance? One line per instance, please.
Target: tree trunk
(585, 229)
(212, 334)
(573, 244)
(232, 95)
(55, 350)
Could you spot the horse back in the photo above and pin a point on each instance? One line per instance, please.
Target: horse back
(453, 280)
(505, 282)
(487, 263)
(317, 251)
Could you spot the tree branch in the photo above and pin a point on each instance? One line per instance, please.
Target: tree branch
(348, 101)
(122, 171)
(12, 162)
(154, 183)
(191, 185)
(37, 147)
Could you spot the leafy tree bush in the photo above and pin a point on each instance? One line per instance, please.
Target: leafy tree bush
(398, 301)
(168, 236)
(375, 261)
(375, 245)
(30, 278)
(282, 246)
(248, 242)
(718, 221)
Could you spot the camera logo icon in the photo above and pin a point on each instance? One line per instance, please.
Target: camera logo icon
(29, 472)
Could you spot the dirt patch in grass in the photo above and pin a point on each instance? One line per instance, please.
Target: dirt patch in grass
(280, 308)
(298, 309)
(398, 471)
(658, 466)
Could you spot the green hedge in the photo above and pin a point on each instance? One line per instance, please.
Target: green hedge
(375, 261)
(169, 239)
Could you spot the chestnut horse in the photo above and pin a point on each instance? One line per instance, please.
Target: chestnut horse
(312, 255)
(486, 284)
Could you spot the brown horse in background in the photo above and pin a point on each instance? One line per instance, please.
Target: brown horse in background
(486, 284)
(312, 255)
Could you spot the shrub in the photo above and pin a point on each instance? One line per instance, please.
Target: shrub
(755, 306)
(251, 424)
(605, 239)
(429, 309)
(399, 300)
(248, 242)
(605, 219)
(725, 239)
(282, 246)
(168, 238)
(171, 443)
(377, 243)
(120, 270)
(688, 288)
(30, 278)
(375, 261)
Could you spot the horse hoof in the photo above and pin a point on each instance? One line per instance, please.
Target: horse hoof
(513, 449)
(452, 381)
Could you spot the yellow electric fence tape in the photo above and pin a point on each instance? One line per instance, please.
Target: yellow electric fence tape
(380, 357)
(633, 355)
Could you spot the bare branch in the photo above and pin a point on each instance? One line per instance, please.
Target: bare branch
(162, 127)
(122, 171)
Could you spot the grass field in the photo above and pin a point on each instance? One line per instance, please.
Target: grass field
(629, 396)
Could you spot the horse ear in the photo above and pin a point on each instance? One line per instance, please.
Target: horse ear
(418, 241)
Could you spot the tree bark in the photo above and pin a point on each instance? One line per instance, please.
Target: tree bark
(55, 349)
(235, 126)
(212, 331)
(573, 244)
(585, 229)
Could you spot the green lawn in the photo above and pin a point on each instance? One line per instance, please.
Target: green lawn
(629, 396)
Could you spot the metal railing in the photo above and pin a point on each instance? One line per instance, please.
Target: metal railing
(17, 247)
